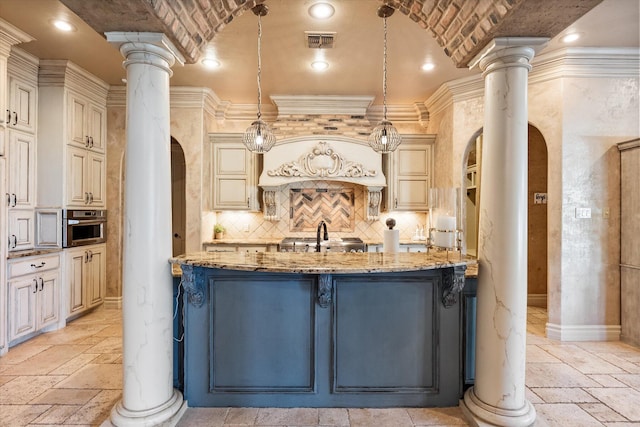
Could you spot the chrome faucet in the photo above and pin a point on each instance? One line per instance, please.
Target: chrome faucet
(324, 237)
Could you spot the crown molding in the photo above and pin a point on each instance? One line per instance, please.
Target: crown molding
(586, 62)
(455, 91)
(322, 104)
(21, 62)
(10, 35)
(64, 73)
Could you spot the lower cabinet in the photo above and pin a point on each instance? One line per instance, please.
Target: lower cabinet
(85, 278)
(34, 295)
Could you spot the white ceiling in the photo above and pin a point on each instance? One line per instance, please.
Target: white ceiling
(355, 61)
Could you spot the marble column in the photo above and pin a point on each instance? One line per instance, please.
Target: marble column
(148, 396)
(498, 396)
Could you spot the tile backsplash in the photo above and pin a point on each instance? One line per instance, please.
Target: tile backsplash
(237, 223)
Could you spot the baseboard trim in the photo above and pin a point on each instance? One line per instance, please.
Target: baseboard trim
(537, 300)
(114, 303)
(583, 332)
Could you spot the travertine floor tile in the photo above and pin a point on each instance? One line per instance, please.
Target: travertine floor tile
(108, 358)
(631, 380)
(22, 390)
(6, 378)
(531, 396)
(111, 331)
(620, 362)
(65, 396)
(392, 417)
(602, 412)
(607, 381)
(436, 416)
(74, 364)
(22, 352)
(287, 416)
(624, 401)
(564, 395)
(46, 361)
(204, 417)
(582, 360)
(108, 345)
(97, 409)
(106, 377)
(333, 417)
(537, 355)
(556, 375)
(57, 414)
(19, 415)
(241, 416)
(565, 415)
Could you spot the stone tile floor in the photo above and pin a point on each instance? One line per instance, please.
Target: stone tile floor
(74, 377)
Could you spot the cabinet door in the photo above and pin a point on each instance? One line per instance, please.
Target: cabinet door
(78, 113)
(22, 105)
(96, 175)
(96, 275)
(232, 177)
(21, 230)
(21, 170)
(97, 128)
(48, 299)
(76, 259)
(412, 172)
(77, 165)
(22, 307)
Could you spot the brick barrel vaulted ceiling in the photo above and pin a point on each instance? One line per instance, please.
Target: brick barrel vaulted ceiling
(461, 27)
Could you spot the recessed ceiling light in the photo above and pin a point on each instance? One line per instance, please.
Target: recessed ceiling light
(319, 65)
(211, 63)
(63, 25)
(428, 66)
(321, 11)
(570, 38)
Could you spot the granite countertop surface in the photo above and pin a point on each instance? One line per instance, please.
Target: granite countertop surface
(323, 263)
(263, 241)
(32, 252)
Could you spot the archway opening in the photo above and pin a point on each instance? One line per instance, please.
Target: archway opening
(178, 198)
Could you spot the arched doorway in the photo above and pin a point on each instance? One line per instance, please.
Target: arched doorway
(537, 209)
(178, 197)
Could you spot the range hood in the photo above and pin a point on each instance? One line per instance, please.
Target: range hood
(326, 158)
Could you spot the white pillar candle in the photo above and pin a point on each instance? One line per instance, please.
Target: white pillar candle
(446, 222)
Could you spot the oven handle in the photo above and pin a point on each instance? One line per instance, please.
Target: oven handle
(83, 222)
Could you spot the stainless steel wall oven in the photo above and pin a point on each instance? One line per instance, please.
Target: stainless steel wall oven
(83, 227)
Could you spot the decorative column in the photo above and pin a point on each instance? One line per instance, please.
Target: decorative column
(498, 396)
(148, 397)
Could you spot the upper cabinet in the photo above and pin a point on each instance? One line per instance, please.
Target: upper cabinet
(409, 172)
(235, 174)
(23, 98)
(87, 123)
(73, 135)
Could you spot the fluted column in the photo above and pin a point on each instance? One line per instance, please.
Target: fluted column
(148, 396)
(498, 396)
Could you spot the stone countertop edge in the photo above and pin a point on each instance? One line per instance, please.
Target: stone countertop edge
(322, 263)
(265, 241)
(32, 252)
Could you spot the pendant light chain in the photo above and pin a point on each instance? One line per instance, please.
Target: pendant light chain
(259, 66)
(384, 72)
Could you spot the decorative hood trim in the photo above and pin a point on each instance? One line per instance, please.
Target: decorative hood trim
(329, 158)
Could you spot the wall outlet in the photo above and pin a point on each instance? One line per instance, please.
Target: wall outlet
(583, 213)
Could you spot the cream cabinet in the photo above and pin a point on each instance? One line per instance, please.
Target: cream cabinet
(22, 170)
(85, 278)
(72, 136)
(86, 122)
(20, 230)
(235, 174)
(409, 172)
(34, 295)
(86, 176)
(23, 95)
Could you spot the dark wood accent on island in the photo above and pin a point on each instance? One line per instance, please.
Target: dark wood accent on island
(329, 330)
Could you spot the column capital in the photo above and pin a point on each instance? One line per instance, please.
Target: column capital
(146, 48)
(508, 51)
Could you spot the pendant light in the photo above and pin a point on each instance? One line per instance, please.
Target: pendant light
(259, 137)
(385, 137)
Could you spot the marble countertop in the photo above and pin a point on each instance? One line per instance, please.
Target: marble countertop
(322, 263)
(265, 241)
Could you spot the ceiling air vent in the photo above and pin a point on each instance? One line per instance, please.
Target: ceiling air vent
(317, 40)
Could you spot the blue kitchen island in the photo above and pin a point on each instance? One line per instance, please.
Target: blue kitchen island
(322, 329)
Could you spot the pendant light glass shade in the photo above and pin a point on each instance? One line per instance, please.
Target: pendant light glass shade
(384, 138)
(259, 137)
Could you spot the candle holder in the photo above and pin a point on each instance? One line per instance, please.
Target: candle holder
(445, 232)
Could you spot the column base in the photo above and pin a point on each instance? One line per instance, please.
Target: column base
(480, 414)
(166, 415)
